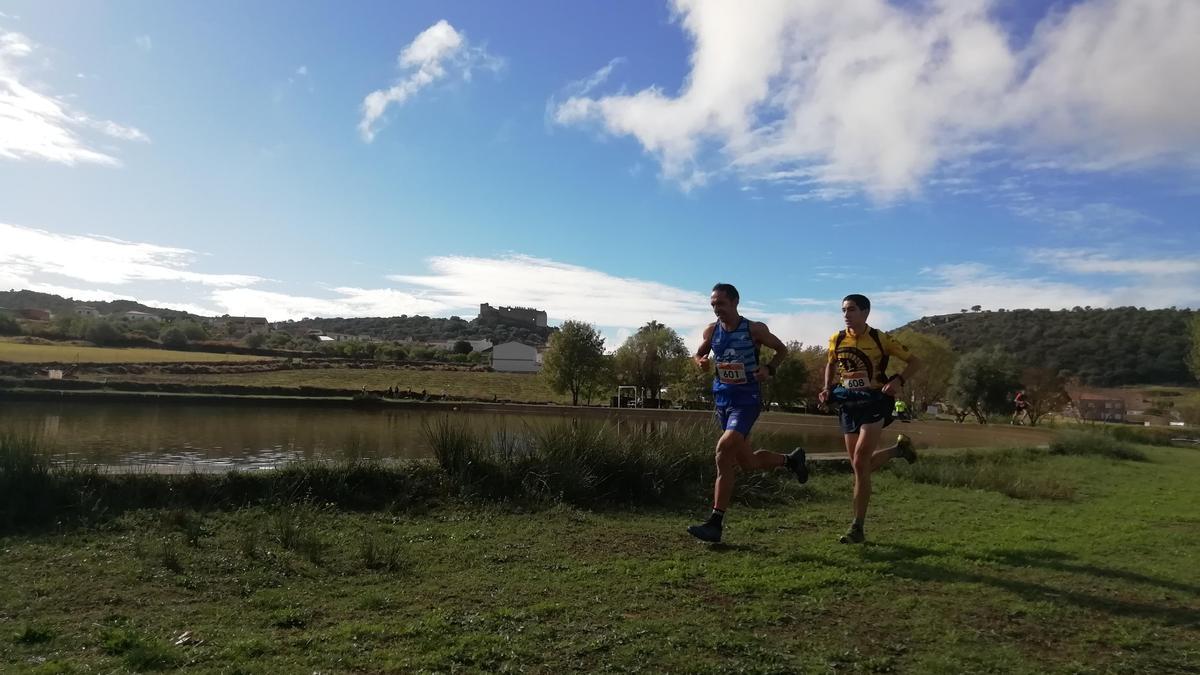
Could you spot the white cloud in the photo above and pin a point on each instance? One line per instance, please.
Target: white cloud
(1113, 84)
(1093, 262)
(1094, 218)
(951, 288)
(1144, 282)
(565, 291)
(436, 53)
(115, 130)
(876, 96)
(102, 260)
(35, 125)
(144, 43)
(618, 305)
(558, 112)
(188, 307)
(302, 71)
(348, 302)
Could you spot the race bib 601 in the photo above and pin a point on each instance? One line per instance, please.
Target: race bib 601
(732, 373)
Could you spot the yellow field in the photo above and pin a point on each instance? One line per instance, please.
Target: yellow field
(510, 386)
(19, 353)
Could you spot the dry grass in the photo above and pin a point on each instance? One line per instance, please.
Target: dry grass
(480, 385)
(20, 353)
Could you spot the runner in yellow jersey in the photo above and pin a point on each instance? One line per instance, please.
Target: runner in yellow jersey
(856, 379)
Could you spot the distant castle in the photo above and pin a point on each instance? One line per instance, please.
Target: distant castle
(525, 315)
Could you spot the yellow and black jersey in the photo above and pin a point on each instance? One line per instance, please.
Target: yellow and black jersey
(862, 360)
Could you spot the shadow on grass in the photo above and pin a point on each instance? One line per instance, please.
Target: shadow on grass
(904, 561)
(1061, 562)
(735, 548)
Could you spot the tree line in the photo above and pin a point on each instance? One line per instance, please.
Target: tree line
(1099, 347)
(979, 383)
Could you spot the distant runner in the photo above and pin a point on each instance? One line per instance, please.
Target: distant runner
(856, 380)
(735, 342)
(1020, 408)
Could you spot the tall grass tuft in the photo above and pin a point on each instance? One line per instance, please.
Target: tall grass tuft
(35, 493)
(1150, 435)
(1006, 472)
(1096, 444)
(585, 462)
(388, 557)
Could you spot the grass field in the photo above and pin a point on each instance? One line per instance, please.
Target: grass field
(1093, 569)
(481, 385)
(21, 353)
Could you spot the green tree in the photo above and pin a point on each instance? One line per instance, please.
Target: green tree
(9, 325)
(814, 358)
(173, 337)
(462, 347)
(1045, 392)
(255, 340)
(103, 332)
(279, 340)
(603, 384)
(574, 359)
(650, 358)
(72, 326)
(147, 329)
(983, 381)
(692, 384)
(790, 383)
(1194, 353)
(929, 384)
(194, 331)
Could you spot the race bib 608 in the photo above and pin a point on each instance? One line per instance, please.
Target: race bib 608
(855, 380)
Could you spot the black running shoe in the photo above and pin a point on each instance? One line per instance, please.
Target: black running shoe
(853, 536)
(710, 532)
(796, 463)
(904, 446)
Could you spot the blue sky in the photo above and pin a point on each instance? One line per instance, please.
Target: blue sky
(603, 161)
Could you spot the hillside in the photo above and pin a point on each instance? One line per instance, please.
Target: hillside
(1103, 347)
(59, 305)
(419, 328)
(426, 329)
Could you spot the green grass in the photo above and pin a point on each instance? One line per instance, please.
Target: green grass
(957, 577)
(35, 495)
(521, 387)
(1001, 471)
(584, 463)
(1095, 444)
(22, 353)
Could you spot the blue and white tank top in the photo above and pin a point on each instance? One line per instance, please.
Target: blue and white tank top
(736, 357)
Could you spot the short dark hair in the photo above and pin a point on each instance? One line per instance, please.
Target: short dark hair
(859, 300)
(729, 291)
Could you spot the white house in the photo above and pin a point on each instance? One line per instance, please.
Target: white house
(89, 312)
(476, 345)
(515, 357)
(141, 316)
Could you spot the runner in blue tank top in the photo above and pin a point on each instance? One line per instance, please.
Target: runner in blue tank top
(734, 342)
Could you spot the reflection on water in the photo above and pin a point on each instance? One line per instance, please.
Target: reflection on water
(240, 435)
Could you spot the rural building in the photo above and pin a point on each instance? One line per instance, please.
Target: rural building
(141, 316)
(1102, 409)
(476, 345)
(525, 315)
(89, 312)
(34, 314)
(345, 337)
(243, 325)
(515, 357)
